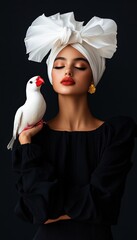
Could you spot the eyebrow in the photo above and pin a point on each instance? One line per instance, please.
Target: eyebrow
(75, 59)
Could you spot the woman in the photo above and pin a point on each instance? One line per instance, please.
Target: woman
(72, 170)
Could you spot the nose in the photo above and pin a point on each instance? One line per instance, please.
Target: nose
(68, 72)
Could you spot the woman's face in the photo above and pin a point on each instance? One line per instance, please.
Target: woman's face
(71, 73)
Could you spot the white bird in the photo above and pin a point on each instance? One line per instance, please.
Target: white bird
(32, 111)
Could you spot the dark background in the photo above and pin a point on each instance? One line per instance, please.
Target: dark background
(116, 94)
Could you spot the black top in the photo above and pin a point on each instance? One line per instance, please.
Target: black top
(79, 173)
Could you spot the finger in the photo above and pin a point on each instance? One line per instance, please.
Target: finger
(36, 129)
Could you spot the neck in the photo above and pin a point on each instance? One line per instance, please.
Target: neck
(74, 112)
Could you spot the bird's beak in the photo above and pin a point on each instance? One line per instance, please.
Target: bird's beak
(39, 81)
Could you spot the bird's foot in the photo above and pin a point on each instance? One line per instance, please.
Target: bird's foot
(40, 122)
(28, 127)
(31, 126)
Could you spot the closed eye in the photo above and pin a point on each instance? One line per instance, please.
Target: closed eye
(58, 67)
(81, 68)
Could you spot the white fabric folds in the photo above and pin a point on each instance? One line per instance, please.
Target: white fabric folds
(96, 40)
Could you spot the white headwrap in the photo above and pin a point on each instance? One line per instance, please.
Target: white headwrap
(96, 40)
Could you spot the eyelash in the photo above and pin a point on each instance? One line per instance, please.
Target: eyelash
(79, 68)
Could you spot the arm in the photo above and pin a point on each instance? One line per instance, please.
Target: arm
(35, 177)
(99, 200)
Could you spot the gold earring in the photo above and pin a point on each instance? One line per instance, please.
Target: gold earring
(92, 88)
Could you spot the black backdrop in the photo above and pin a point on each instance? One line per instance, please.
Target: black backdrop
(116, 94)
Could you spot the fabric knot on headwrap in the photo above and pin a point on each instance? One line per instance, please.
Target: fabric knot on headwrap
(68, 36)
(96, 40)
(65, 34)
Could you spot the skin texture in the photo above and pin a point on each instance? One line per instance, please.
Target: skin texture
(74, 113)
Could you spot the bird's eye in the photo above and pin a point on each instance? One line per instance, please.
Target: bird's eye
(31, 82)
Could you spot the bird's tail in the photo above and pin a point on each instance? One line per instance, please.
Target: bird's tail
(10, 144)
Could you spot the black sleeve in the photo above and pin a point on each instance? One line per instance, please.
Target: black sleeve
(40, 192)
(99, 201)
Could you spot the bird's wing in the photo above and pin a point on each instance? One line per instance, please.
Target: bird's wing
(17, 121)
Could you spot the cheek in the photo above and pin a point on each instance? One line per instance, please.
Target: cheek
(53, 75)
(55, 80)
(87, 79)
(56, 75)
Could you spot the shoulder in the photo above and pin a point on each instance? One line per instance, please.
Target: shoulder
(122, 121)
(123, 126)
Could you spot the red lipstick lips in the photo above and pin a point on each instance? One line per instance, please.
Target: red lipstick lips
(67, 81)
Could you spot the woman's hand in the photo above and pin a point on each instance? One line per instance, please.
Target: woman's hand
(26, 135)
(63, 217)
